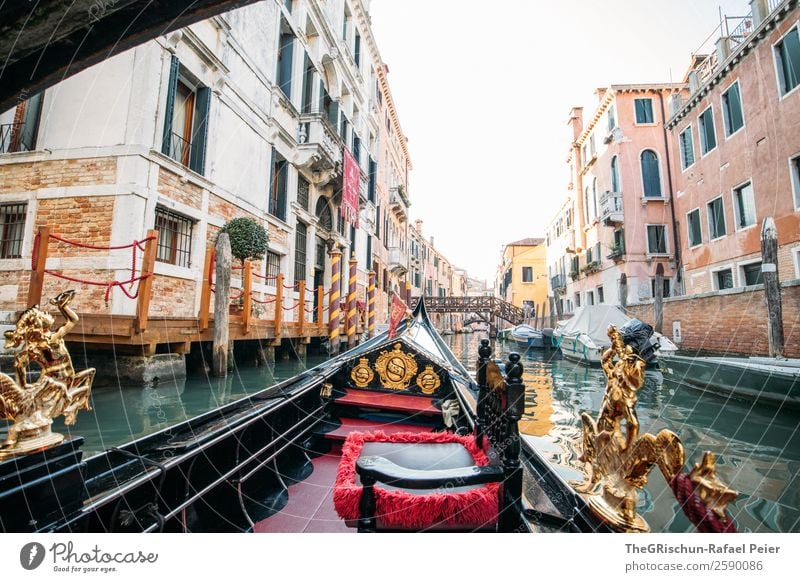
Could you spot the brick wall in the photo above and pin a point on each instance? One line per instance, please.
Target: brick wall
(731, 322)
(24, 177)
(169, 185)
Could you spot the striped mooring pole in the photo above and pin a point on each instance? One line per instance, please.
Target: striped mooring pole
(371, 305)
(408, 294)
(351, 305)
(333, 302)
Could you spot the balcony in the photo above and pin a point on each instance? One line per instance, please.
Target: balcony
(12, 139)
(611, 208)
(398, 202)
(559, 282)
(319, 148)
(398, 260)
(569, 241)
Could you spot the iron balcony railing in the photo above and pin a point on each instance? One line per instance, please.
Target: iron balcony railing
(558, 282)
(179, 149)
(398, 259)
(611, 207)
(12, 140)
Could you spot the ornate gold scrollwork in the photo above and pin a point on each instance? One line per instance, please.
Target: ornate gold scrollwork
(396, 368)
(362, 374)
(428, 380)
(59, 390)
(617, 463)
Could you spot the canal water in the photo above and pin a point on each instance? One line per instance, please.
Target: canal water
(757, 447)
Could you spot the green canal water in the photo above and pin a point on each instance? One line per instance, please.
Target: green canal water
(757, 447)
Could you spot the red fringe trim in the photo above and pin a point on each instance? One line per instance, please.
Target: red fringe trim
(406, 510)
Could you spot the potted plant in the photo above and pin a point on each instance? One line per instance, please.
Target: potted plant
(249, 239)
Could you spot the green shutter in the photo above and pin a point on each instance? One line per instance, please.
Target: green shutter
(285, 64)
(202, 107)
(169, 112)
(30, 125)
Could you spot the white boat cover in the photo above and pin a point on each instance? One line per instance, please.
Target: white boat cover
(593, 320)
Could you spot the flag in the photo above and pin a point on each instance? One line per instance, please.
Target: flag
(350, 188)
(396, 313)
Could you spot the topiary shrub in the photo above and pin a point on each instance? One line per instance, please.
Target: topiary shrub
(249, 240)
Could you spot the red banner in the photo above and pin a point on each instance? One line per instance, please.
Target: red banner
(352, 183)
(396, 313)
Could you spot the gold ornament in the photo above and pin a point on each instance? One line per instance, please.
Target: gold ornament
(428, 380)
(396, 368)
(59, 390)
(362, 374)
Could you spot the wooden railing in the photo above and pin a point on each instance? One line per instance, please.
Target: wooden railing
(492, 305)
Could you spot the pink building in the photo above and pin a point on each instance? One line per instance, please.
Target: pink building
(736, 146)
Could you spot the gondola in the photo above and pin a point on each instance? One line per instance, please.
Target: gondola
(393, 435)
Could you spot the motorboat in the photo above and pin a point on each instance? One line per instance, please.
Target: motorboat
(527, 336)
(583, 338)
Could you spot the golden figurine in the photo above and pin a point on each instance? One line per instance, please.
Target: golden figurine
(59, 390)
(617, 463)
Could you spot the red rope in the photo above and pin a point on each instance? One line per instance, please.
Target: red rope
(290, 286)
(292, 307)
(699, 514)
(135, 244)
(108, 284)
(265, 277)
(267, 302)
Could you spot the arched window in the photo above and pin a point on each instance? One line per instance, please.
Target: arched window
(324, 214)
(651, 177)
(615, 174)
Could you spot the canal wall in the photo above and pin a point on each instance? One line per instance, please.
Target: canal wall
(732, 321)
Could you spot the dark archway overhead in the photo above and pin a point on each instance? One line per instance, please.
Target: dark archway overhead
(44, 41)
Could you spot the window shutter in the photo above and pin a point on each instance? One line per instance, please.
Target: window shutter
(650, 175)
(202, 107)
(169, 110)
(285, 64)
(30, 126)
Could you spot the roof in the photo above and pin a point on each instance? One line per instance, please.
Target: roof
(526, 242)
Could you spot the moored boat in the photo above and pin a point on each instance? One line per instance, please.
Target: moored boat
(527, 336)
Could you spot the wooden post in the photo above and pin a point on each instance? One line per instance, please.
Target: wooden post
(658, 306)
(205, 290)
(623, 291)
(351, 304)
(247, 292)
(302, 314)
(408, 293)
(146, 285)
(320, 308)
(553, 303)
(559, 308)
(219, 366)
(371, 305)
(40, 264)
(772, 286)
(278, 307)
(333, 300)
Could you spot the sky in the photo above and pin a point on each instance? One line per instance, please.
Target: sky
(484, 88)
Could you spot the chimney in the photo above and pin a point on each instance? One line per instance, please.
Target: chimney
(723, 45)
(601, 92)
(675, 103)
(418, 226)
(759, 10)
(576, 122)
(432, 241)
(694, 82)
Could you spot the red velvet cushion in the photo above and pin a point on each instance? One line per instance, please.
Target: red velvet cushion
(407, 509)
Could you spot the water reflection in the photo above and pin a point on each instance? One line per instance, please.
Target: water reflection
(757, 447)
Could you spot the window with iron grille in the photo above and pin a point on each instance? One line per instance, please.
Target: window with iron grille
(300, 252)
(302, 192)
(320, 254)
(12, 230)
(273, 266)
(174, 238)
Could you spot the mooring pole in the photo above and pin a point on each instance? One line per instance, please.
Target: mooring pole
(333, 301)
(371, 305)
(623, 291)
(658, 306)
(772, 287)
(223, 289)
(351, 304)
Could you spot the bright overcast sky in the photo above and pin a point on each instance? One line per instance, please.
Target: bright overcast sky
(483, 90)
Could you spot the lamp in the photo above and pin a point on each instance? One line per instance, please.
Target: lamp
(331, 242)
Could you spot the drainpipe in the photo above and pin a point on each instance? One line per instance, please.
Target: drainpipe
(675, 240)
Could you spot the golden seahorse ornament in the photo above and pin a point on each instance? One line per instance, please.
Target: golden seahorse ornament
(618, 462)
(58, 390)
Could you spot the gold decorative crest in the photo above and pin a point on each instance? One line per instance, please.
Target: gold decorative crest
(362, 374)
(396, 368)
(428, 380)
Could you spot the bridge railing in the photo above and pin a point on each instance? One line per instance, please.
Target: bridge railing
(481, 304)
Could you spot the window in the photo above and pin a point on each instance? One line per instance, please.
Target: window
(577, 299)
(373, 178)
(309, 74)
(666, 287)
(619, 242)
(693, 226)
(357, 49)
(687, 148)
(795, 169)
(324, 214)
(527, 274)
(615, 174)
(302, 192)
(651, 175)
(273, 266)
(744, 206)
(300, 252)
(20, 136)
(724, 279)
(612, 119)
(708, 136)
(716, 219)
(174, 238)
(787, 56)
(732, 110)
(600, 297)
(656, 239)
(12, 229)
(277, 190)
(285, 54)
(590, 298)
(644, 110)
(186, 120)
(752, 274)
